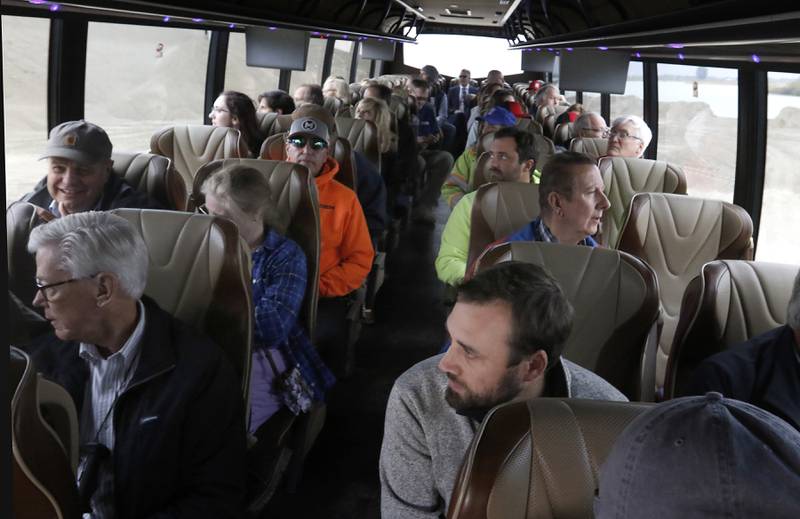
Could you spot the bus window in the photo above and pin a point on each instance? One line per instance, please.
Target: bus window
(248, 80)
(313, 72)
(362, 68)
(569, 95)
(697, 119)
(632, 101)
(342, 58)
(25, 52)
(140, 79)
(591, 102)
(780, 211)
(450, 53)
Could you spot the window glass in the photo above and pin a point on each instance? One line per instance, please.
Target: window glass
(248, 80)
(780, 211)
(362, 69)
(569, 95)
(156, 79)
(591, 102)
(313, 72)
(25, 51)
(697, 112)
(632, 102)
(342, 57)
(480, 54)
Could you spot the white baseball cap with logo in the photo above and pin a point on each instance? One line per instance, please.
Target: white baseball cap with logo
(309, 126)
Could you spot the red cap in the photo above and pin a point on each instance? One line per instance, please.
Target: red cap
(516, 109)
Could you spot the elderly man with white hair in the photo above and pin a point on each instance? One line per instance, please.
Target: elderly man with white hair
(161, 421)
(629, 137)
(764, 371)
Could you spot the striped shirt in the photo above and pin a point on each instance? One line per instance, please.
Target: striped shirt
(108, 378)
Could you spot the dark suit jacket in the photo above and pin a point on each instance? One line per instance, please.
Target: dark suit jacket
(764, 371)
(453, 96)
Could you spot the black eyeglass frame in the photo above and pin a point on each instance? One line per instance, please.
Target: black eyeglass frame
(300, 141)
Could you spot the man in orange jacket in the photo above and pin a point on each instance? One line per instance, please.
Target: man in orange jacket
(346, 252)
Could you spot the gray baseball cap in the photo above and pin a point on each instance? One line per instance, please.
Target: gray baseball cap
(702, 456)
(81, 141)
(310, 126)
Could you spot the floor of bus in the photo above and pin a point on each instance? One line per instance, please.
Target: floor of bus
(341, 473)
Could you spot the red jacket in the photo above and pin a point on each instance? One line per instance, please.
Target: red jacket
(345, 246)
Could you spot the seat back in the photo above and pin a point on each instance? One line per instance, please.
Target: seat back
(153, 175)
(563, 134)
(333, 104)
(199, 272)
(676, 235)
(624, 177)
(399, 106)
(539, 458)
(362, 136)
(549, 125)
(615, 298)
(500, 208)
(267, 123)
(274, 148)
(294, 195)
(529, 125)
(479, 177)
(21, 218)
(730, 302)
(594, 148)
(43, 479)
(544, 150)
(191, 146)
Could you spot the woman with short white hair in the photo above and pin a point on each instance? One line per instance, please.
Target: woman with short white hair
(337, 87)
(629, 137)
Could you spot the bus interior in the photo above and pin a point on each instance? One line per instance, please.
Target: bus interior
(717, 81)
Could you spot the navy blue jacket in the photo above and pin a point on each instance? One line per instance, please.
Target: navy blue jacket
(764, 371)
(454, 97)
(190, 460)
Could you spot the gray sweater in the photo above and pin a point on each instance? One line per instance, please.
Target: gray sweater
(424, 440)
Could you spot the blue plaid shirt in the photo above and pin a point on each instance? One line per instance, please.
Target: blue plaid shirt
(538, 231)
(279, 285)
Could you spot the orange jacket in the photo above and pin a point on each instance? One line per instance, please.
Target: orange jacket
(345, 246)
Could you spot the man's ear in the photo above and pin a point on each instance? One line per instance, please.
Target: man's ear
(528, 165)
(534, 366)
(554, 201)
(107, 287)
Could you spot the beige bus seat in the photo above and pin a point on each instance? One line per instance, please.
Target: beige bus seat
(549, 125)
(274, 148)
(266, 123)
(479, 176)
(624, 177)
(399, 106)
(544, 149)
(295, 197)
(43, 476)
(500, 208)
(676, 235)
(594, 148)
(529, 125)
(539, 459)
(154, 175)
(615, 297)
(363, 137)
(730, 302)
(199, 272)
(21, 218)
(543, 112)
(191, 146)
(563, 134)
(333, 105)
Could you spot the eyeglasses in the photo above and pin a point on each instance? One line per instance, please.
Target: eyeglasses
(622, 135)
(602, 131)
(300, 142)
(462, 77)
(44, 288)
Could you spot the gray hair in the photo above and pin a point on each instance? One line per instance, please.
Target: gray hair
(642, 129)
(793, 311)
(92, 242)
(584, 122)
(537, 98)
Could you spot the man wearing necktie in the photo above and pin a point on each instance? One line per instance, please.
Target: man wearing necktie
(460, 99)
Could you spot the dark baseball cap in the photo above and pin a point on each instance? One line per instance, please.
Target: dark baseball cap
(80, 141)
(702, 456)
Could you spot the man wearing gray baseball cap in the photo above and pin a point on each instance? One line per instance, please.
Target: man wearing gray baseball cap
(79, 176)
(702, 456)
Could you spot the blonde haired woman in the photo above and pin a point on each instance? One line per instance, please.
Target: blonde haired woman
(337, 87)
(375, 110)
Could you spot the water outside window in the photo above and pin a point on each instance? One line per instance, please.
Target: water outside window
(25, 51)
(780, 211)
(698, 111)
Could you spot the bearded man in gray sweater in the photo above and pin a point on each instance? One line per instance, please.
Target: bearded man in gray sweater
(507, 330)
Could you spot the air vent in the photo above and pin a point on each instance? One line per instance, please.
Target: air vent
(458, 12)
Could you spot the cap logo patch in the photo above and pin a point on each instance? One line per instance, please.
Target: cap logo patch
(70, 139)
(309, 125)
